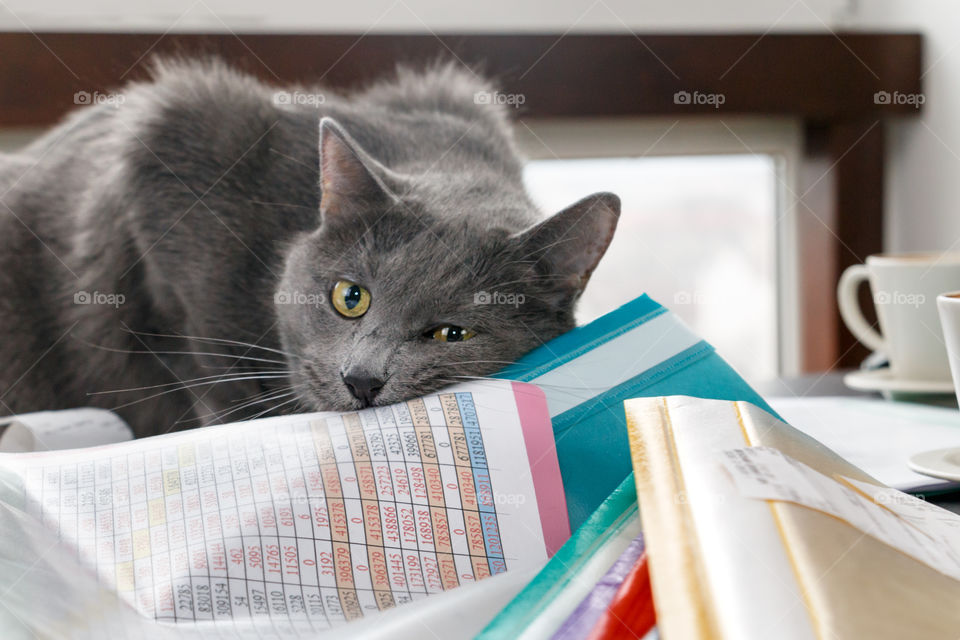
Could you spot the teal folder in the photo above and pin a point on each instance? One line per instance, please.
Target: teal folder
(640, 349)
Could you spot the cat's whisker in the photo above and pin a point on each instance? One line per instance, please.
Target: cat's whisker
(246, 368)
(275, 407)
(239, 343)
(225, 377)
(182, 353)
(218, 416)
(280, 204)
(255, 396)
(192, 386)
(298, 387)
(260, 397)
(254, 399)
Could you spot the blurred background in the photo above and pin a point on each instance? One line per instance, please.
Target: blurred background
(758, 147)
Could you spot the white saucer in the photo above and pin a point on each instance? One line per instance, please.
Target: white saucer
(940, 463)
(882, 380)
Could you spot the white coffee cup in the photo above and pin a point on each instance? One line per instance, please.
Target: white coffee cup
(949, 306)
(905, 289)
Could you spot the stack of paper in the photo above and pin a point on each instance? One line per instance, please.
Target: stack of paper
(755, 530)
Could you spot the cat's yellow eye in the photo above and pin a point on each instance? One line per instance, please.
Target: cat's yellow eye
(451, 333)
(350, 299)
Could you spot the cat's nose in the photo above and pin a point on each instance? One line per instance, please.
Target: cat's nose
(363, 386)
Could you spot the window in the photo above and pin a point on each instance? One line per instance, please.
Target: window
(698, 233)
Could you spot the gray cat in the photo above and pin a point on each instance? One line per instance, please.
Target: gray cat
(191, 249)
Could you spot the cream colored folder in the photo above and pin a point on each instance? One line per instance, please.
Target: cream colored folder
(728, 565)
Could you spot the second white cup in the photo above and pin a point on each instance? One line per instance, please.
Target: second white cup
(948, 305)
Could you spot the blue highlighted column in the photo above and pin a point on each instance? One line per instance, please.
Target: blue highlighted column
(484, 486)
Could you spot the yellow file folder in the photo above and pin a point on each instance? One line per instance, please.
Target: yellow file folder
(834, 555)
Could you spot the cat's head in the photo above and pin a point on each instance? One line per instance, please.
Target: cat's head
(393, 297)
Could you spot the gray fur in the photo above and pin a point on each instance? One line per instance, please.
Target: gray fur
(198, 199)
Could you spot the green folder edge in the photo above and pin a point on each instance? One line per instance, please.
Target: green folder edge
(605, 522)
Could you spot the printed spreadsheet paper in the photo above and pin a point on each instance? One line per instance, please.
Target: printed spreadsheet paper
(302, 523)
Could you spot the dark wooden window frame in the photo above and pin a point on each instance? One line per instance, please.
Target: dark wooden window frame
(827, 81)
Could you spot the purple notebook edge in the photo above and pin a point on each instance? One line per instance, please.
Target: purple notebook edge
(579, 623)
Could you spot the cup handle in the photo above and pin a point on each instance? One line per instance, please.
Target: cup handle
(850, 307)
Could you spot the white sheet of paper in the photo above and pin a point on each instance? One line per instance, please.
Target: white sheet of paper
(292, 525)
(69, 429)
(876, 435)
(925, 532)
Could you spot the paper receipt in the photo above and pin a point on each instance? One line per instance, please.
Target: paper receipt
(68, 429)
(921, 530)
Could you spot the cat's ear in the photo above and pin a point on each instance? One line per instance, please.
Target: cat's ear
(350, 180)
(569, 244)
